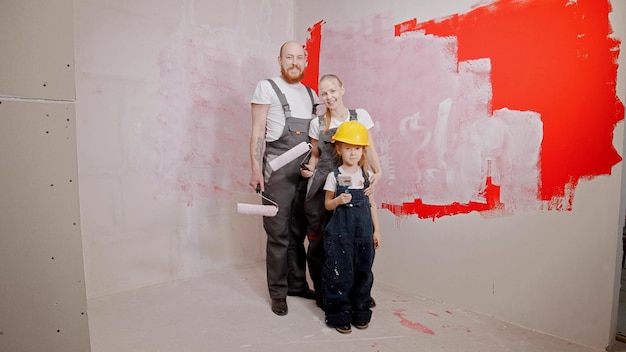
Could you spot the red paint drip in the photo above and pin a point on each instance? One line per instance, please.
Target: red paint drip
(426, 211)
(554, 58)
(411, 324)
(312, 47)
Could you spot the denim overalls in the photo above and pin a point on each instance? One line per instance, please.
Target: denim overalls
(349, 254)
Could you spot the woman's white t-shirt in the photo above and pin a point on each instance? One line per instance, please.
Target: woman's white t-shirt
(361, 115)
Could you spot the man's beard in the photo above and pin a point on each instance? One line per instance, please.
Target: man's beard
(289, 79)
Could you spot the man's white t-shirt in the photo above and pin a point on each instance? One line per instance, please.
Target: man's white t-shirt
(297, 97)
(361, 115)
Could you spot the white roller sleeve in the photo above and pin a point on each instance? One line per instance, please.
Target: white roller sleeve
(255, 209)
(288, 156)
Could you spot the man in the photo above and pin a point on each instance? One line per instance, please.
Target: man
(276, 127)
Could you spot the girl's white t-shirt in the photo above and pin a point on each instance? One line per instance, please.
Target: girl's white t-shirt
(361, 115)
(297, 96)
(357, 181)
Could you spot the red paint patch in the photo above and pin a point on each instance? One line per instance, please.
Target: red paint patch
(554, 58)
(408, 26)
(425, 211)
(412, 324)
(312, 47)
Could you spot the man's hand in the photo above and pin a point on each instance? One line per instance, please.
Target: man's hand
(256, 181)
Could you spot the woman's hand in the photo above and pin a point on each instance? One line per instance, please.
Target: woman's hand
(373, 181)
(377, 239)
(306, 170)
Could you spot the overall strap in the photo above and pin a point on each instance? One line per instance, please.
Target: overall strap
(281, 97)
(314, 111)
(285, 104)
(366, 178)
(336, 173)
(352, 114)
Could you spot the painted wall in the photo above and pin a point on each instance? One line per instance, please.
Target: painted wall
(163, 93)
(511, 112)
(43, 305)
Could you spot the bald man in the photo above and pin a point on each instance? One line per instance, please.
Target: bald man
(276, 129)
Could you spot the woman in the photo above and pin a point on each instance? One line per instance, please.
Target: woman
(323, 161)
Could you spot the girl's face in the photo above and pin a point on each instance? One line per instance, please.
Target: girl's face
(350, 154)
(331, 93)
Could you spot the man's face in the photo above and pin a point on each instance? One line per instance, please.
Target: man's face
(292, 63)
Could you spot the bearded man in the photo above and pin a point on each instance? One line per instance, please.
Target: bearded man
(282, 108)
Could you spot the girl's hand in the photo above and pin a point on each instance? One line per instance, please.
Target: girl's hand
(344, 198)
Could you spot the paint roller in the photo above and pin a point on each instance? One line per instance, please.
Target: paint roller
(280, 161)
(288, 156)
(258, 209)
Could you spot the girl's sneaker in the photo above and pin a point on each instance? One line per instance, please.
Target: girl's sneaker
(344, 329)
(362, 326)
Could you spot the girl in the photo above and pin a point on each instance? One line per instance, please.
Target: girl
(351, 235)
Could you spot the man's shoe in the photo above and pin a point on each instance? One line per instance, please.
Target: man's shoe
(308, 294)
(279, 306)
(344, 329)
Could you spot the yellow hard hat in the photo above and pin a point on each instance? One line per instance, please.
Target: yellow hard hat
(352, 132)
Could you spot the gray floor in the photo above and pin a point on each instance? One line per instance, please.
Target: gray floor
(228, 310)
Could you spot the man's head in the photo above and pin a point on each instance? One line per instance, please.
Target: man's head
(292, 61)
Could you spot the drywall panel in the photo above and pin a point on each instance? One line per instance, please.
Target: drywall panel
(37, 56)
(43, 306)
(502, 163)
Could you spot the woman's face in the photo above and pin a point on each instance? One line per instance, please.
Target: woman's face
(331, 93)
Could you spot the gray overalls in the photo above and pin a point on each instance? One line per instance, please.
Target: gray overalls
(349, 255)
(316, 214)
(285, 254)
